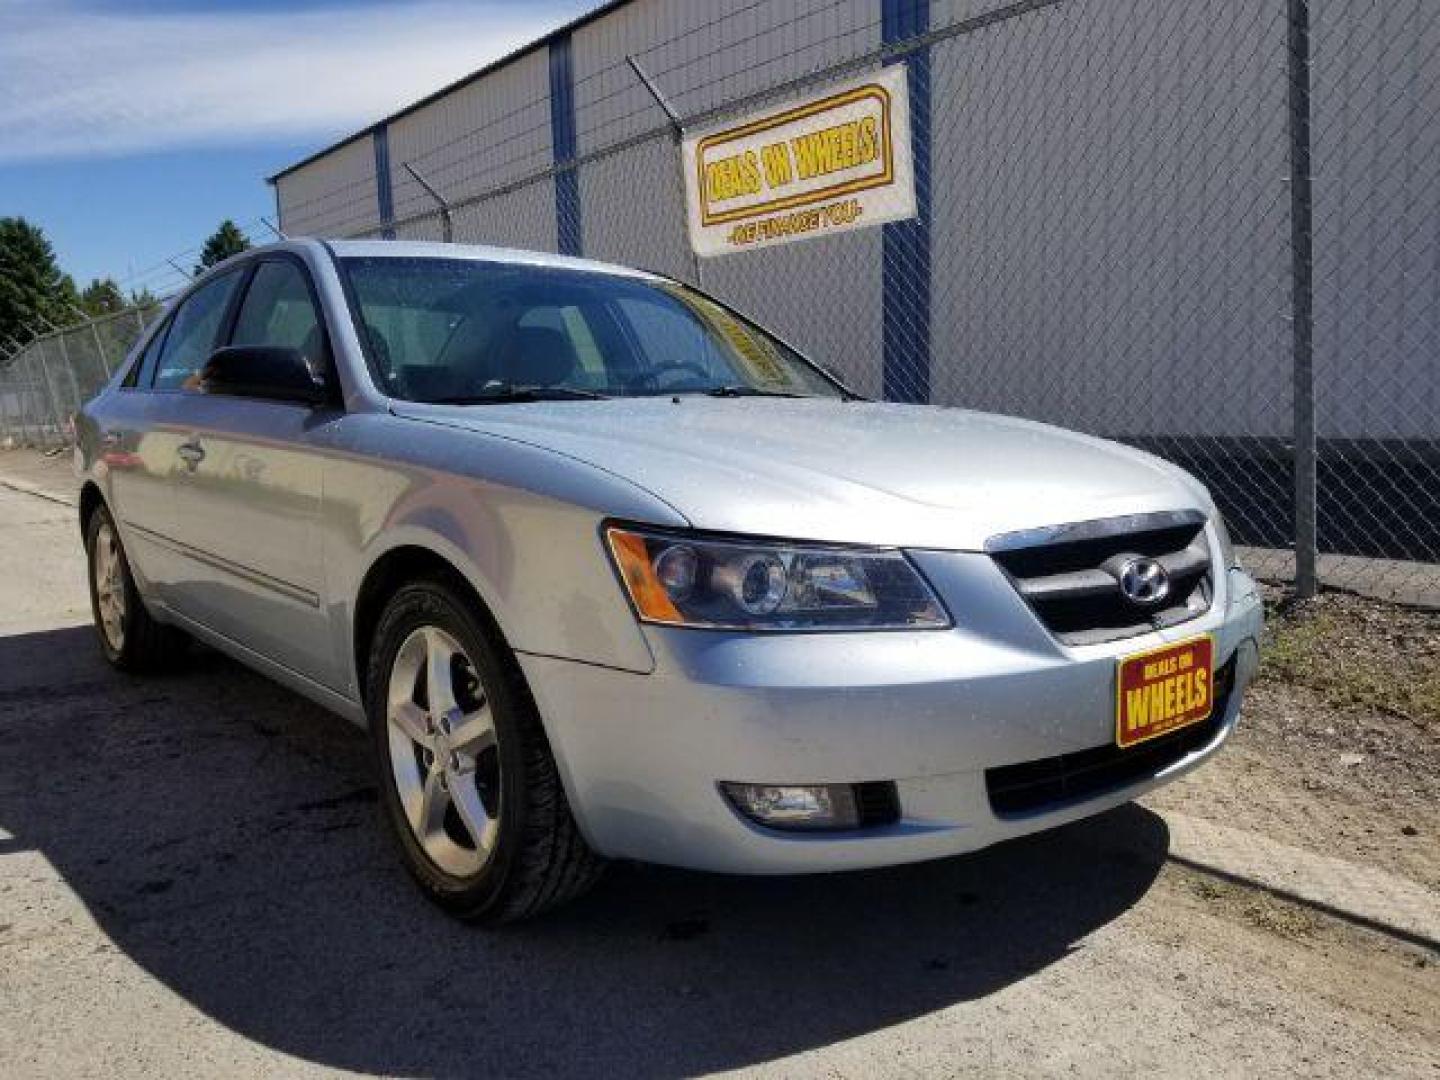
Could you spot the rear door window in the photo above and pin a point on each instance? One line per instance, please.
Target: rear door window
(192, 334)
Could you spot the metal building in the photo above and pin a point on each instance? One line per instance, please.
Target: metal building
(1124, 207)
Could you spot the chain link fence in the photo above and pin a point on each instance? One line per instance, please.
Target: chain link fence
(1207, 228)
(44, 382)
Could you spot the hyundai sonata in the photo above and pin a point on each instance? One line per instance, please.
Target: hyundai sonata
(608, 571)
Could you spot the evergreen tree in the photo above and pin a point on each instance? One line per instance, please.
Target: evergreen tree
(227, 240)
(31, 284)
(102, 297)
(67, 301)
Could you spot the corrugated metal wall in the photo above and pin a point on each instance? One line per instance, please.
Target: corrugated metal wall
(1111, 217)
(702, 56)
(1377, 218)
(332, 196)
(483, 136)
(1108, 183)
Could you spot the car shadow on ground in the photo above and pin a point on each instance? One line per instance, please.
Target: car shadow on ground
(223, 833)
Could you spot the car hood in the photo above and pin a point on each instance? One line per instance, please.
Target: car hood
(856, 472)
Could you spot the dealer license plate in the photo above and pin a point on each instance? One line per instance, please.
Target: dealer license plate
(1163, 690)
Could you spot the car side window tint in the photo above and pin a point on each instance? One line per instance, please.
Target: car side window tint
(192, 334)
(277, 310)
(143, 370)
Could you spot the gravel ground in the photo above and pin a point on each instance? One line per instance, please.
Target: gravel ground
(1339, 751)
(193, 882)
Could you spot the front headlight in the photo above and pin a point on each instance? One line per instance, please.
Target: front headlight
(1227, 548)
(680, 579)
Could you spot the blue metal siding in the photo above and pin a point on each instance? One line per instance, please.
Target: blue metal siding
(906, 258)
(384, 196)
(562, 139)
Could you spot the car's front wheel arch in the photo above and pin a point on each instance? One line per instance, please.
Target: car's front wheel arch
(540, 855)
(91, 499)
(413, 558)
(387, 575)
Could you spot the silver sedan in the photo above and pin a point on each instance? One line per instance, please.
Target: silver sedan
(608, 571)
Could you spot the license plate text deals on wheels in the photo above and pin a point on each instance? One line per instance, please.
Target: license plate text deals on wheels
(1162, 690)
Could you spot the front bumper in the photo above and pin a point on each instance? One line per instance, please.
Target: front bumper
(642, 755)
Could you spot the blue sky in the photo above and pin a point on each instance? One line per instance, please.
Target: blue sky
(129, 129)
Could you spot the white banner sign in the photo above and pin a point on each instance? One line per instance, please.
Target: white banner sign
(811, 168)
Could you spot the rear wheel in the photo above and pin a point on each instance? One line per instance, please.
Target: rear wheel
(468, 783)
(129, 637)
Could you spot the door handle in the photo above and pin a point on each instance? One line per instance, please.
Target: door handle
(192, 453)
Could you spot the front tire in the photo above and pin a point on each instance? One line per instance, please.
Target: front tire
(130, 638)
(468, 784)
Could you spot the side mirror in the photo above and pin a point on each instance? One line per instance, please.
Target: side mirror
(271, 372)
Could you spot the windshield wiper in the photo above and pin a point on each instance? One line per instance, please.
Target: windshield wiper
(506, 393)
(742, 391)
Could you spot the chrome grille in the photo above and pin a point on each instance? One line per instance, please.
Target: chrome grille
(1070, 575)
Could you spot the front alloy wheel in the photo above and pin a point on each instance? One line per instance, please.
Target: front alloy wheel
(443, 752)
(468, 784)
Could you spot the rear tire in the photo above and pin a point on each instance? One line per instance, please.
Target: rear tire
(130, 638)
(468, 784)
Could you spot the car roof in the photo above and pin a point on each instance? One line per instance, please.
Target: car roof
(420, 249)
(411, 249)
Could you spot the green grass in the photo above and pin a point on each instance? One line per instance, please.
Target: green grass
(1358, 656)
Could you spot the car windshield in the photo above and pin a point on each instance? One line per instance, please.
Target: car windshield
(471, 332)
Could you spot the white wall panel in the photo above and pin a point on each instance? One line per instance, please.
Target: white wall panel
(333, 195)
(703, 55)
(476, 138)
(1376, 87)
(1111, 223)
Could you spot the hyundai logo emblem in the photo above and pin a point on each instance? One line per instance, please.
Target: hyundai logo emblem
(1143, 581)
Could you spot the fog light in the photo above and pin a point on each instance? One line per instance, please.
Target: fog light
(794, 806)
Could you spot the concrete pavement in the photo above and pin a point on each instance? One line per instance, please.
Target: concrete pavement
(193, 881)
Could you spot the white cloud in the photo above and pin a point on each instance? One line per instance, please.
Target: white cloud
(75, 83)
